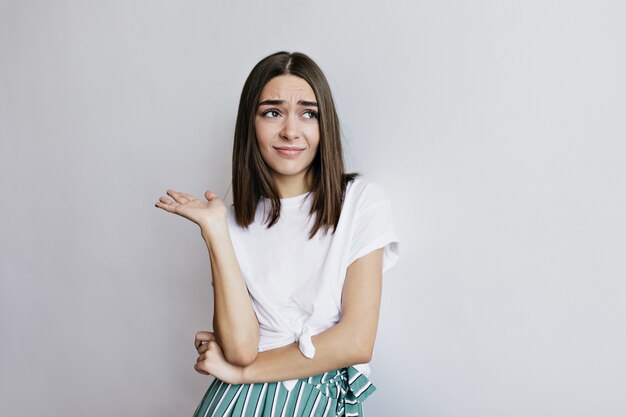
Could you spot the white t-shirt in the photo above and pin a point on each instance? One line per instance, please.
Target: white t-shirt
(296, 283)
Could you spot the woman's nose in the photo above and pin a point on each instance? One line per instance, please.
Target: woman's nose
(290, 129)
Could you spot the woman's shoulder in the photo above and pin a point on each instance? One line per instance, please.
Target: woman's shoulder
(365, 192)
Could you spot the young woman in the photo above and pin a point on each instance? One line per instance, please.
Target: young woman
(297, 262)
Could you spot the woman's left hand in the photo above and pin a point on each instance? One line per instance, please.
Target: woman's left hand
(211, 360)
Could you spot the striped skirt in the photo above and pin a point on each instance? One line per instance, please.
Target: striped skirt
(333, 394)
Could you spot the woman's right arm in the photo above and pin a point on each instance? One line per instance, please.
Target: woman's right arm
(234, 321)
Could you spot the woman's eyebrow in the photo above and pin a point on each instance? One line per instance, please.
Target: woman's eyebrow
(279, 102)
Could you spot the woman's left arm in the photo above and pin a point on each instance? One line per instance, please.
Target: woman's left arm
(349, 342)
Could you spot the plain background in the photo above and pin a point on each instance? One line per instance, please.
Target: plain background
(498, 129)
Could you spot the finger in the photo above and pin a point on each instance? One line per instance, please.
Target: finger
(187, 196)
(166, 200)
(201, 358)
(178, 197)
(202, 348)
(199, 343)
(167, 204)
(210, 195)
(203, 337)
(200, 370)
(167, 207)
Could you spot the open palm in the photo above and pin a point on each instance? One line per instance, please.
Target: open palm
(198, 211)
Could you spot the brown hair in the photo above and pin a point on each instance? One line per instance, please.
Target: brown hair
(251, 176)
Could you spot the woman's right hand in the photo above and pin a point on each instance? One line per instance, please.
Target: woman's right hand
(203, 213)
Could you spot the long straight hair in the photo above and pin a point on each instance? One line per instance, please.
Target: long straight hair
(251, 176)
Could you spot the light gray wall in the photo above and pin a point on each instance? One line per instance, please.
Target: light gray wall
(497, 127)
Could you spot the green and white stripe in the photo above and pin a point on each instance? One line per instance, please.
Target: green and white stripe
(333, 394)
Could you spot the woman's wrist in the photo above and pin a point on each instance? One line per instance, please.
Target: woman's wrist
(213, 227)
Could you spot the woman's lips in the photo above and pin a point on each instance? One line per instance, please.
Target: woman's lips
(287, 151)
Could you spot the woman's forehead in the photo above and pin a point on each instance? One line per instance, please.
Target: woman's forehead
(287, 88)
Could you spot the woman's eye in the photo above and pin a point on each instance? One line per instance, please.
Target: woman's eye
(271, 114)
(310, 114)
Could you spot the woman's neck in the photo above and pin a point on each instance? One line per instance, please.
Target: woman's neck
(292, 185)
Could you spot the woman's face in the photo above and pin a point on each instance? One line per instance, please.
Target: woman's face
(287, 128)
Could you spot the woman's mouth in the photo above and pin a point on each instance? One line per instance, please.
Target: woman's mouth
(289, 151)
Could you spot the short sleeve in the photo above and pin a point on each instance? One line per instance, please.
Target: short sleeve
(373, 227)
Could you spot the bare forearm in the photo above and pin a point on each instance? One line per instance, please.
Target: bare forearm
(235, 323)
(335, 348)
